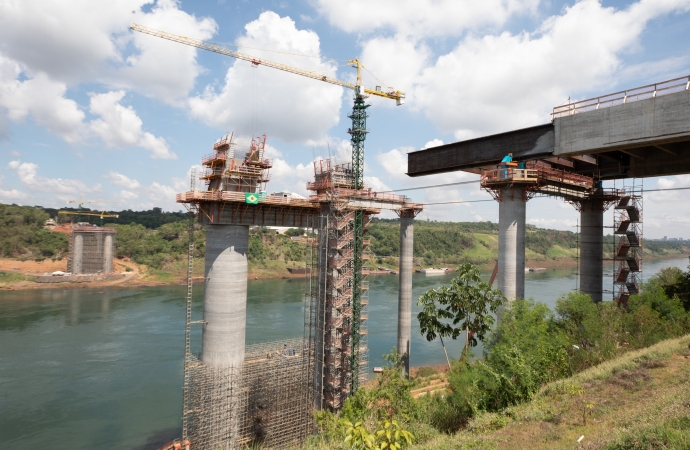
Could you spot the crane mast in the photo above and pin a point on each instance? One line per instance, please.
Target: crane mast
(358, 133)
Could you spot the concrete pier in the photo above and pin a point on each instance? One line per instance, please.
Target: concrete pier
(405, 288)
(225, 296)
(108, 253)
(592, 248)
(511, 243)
(78, 254)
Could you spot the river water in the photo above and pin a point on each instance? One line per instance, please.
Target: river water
(102, 368)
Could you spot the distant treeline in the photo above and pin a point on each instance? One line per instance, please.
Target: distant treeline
(151, 219)
(458, 242)
(159, 240)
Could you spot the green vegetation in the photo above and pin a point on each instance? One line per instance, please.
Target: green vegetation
(468, 301)
(151, 219)
(523, 378)
(9, 277)
(22, 234)
(158, 240)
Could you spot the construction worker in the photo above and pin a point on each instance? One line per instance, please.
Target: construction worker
(504, 165)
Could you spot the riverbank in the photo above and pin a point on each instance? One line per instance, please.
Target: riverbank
(19, 275)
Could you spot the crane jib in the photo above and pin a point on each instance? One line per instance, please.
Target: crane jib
(392, 94)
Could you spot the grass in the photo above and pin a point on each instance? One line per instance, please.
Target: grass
(9, 277)
(640, 400)
(161, 275)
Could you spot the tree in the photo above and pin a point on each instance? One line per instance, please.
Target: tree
(468, 301)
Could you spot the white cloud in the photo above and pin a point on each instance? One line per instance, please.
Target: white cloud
(128, 195)
(121, 180)
(375, 184)
(395, 162)
(10, 195)
(433, 143)
(421, 17)
(41, 99)
(256, 99)
(85, 40)
(163, 69)
(28, 175)
(497, 82)
(121, 126)
(396, 60)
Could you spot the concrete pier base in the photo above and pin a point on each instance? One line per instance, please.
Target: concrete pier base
(108, 254)
(405, 288)
(511, 243)
(78, 254)
(225, 295)
(592, 248)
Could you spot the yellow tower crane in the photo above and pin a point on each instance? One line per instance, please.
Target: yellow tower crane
(358, 133)
(79, 212)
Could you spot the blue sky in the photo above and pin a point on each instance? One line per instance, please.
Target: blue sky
(88, 108)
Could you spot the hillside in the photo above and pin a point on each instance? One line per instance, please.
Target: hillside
(640, 400)
(158, 240)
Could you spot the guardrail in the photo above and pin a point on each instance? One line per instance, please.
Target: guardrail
(509, 174)
(622, 97)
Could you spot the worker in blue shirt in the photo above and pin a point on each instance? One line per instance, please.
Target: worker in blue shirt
(504, 167)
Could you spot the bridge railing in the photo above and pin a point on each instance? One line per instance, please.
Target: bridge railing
(619, 98)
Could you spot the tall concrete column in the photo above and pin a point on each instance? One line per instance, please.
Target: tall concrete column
(511, 243)
(321, 279)
(405, 289)
(592, 248)
(225, 295)
(108, 253)
(78, 253)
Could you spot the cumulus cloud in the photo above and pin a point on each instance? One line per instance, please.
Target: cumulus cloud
(121, 126)
(28, 175)
(433, 143)
(163, 69)
(497, 82)
(421, 17)
(40, 99)
(253, 99)
(394, 162)
(121, 180)
(128, 195)
(77, 40)
(10, 195)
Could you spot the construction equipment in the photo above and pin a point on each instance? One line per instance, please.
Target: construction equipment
(358, 132)
(79, 213)
(102, 214)
(81, 202)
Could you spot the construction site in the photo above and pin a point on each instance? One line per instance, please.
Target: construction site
(237, 395)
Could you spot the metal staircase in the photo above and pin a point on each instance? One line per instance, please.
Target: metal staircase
(627, 255)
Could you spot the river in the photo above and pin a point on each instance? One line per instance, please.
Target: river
(102, 368)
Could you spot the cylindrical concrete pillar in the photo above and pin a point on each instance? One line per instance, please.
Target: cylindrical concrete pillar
(511, 243)
(405, 289)
(108, 253)
(225, 295)
(78, 253)
(592, 248)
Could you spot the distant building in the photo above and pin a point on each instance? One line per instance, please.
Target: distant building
(50, 223)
